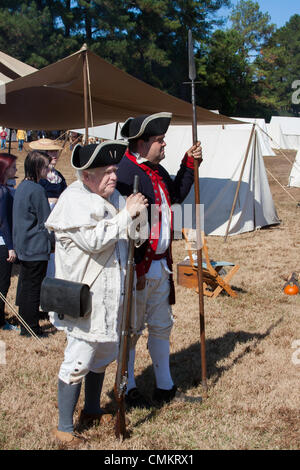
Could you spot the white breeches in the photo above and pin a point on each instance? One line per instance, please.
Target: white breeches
(83, 356)
(152, 308)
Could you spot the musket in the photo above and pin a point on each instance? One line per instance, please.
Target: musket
(122, 364)
(192, 77)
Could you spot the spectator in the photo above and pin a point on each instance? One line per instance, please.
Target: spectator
(21, 137)
(7, 253)
(31, 239)
(54, 184)
(3, 136)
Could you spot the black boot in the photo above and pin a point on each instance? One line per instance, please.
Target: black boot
(161, 396)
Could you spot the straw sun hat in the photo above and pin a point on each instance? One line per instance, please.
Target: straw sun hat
(44, 144)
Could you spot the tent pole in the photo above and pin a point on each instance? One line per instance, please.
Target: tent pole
(254, 170)
(116, 131)
(85, 97)
(239, 183)
(192, 76)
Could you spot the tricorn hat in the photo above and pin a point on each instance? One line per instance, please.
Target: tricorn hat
(107, 153)
(146, 126)
(44, 144)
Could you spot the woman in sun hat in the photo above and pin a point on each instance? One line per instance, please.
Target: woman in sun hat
(55, 183)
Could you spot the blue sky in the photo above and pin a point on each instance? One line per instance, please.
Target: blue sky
(279, 10)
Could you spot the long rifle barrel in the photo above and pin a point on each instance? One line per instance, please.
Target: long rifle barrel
(122, 366)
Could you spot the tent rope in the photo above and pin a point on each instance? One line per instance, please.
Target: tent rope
(282, 153)
(277, 145)
(292, 197)
(22, 321)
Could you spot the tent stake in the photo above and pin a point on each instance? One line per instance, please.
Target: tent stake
(239, 183)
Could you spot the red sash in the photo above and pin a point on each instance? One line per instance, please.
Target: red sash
(157, 183)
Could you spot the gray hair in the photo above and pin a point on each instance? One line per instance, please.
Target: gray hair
(79, 173)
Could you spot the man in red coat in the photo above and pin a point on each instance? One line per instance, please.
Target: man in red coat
(155, 288)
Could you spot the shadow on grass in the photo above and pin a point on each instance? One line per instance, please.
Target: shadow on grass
(186, 363)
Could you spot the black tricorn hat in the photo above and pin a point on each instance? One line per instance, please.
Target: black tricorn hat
(146, 126)
(107, 153)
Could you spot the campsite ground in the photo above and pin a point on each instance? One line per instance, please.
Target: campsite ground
(253, 365)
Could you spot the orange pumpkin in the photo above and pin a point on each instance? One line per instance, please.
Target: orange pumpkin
(291, 289)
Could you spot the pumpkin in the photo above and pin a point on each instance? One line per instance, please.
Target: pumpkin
(291, 289)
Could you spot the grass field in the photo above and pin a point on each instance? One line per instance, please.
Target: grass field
(253, 373)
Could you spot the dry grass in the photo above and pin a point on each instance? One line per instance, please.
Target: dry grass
(253, 400)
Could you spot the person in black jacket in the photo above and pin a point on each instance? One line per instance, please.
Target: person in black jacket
(31, 239)
(155, 288)
(7, 252)
(54, 184)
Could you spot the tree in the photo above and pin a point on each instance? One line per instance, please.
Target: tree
(30, 33)
(253, 25)
(148, 38)
(278, 67)
(226, 81)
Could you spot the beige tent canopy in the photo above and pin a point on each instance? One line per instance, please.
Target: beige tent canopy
(84, 90)
(11, 68)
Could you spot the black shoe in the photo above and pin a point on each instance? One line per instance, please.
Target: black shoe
(134, 399)
(43, 315)
(161, 396)
(38, 331)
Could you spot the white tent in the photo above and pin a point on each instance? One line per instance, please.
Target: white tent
(224, 165)
(294, 178)
(107, 131)
(285, 131)
(263, 138)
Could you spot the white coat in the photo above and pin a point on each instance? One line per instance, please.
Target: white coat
(91, 247)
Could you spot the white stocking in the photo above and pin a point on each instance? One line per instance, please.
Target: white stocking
(159, 350)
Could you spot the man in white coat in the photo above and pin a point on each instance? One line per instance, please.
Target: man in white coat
(91, 247)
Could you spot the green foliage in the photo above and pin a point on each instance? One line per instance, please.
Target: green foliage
(226, 77)
(28, 34)
(278, 66)
(253, 25)
(148, 39)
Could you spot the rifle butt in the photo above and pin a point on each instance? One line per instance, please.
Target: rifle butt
(120, 425)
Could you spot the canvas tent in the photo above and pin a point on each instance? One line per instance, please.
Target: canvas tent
(285, 131)
(11, 68)
(262, 136)
(294, 178)
(224, 153)
(84, 90)
(107, 131)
